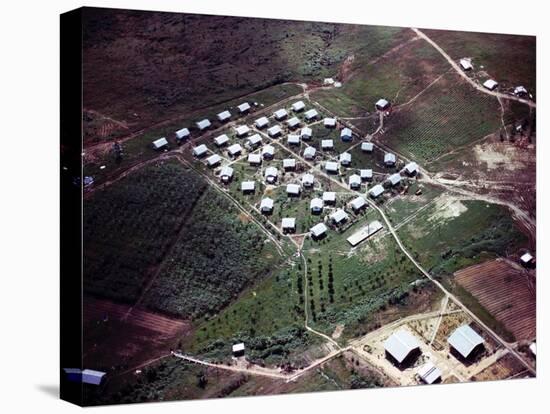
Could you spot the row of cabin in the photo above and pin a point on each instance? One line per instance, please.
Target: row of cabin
(402, 349)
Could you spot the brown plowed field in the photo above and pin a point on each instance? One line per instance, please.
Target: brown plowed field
(506, 291)
(112, 341)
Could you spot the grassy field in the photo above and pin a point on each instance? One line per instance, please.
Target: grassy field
(448, 115)
(129, 226)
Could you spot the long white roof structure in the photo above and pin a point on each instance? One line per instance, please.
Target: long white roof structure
(429, 373)
(400, 344)
(464, 339)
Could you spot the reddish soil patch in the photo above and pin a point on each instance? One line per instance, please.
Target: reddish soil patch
(113, 342)
(507, 291)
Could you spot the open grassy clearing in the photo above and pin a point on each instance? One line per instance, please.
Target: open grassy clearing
(448, 115)
(509, 59)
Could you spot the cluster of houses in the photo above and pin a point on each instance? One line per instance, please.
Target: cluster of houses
(403, 349)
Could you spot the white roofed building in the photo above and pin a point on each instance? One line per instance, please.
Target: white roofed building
(254, 141)
(318, 231)
(266, 205)
(520, 91)
(261, 122)
(242, 130)
(293, 123)
(389, 159)
(244, 107)
(221, 140)
(526, 259)
(331, 167)
(490, 84)
(223, 116)
(182, 133)
(466, 64)
(309, 153)
(271, 174)
(248, 186)
(288, 224)
(200, 150)
(346, 134)
(358, 203)
(328, 81)
(316, 205)
(382, 104)
(329, 122)
(394, 179)
(308, 180)
(401, 347)
(464, 340)
(289, 164)
(293, 139)
(354, 181)
(367, 146)
(160, 143)
(311, 114)
(238, 350)
(345, 158)
(298, 106)
(213, 160)
(329, 197)
(268, 152)
(429, 373)
(202, 125)
(274, 131)
(226, 174)
(234, 150)
(306, 133)
(254, 159)
(364, 233)
(280, 114)
(365, 174)
(293, 189)
(327, 144)
(376, 191)
(411, 168)
(339, 216)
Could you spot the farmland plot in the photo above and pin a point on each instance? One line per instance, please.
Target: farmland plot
(506, 291)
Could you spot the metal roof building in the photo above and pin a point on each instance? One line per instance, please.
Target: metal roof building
(466, 64)
(318, 230)
(268, 151)
(266, 205)
(254, 159)
(394, 179)
(389, 159)
(242, 130)
(520, 90)
(367, 146)
(400, 345)
(289, 163)
(235, 150)
(200, 150)
(226, 173)
(382, 104)
(160, 143)
(328, 81)
(354, 181)
(339, 216)
(261, 122)
(254, 140)
(429, 373)
(464, 340)
(526, 258)
(345, 158)
(411, 168)
(329, 122)
(316, 205)
(182, 133)
(288, 223)
(224, 116)
(274, 131)
(331, 166)
(327, 144)
(364, 233)
(365, 174)
(311, 114)
(307, 180)
(329, 197)
(221, 140)
(248, 186)
(244, 107)
(490, 84)
(280, 114)
(293, 189)
(358, 203)
(238, 349)
(309, 153)
(306, 133)
(298, 106)
(376, 190)
(202, 125)
(213, 160)
(293, 122)
(271, 174)
(346, 134)
(292, 139)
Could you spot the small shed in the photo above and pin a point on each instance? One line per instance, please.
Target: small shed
(293, 189)
(382, 104)
(221, 140)
(182, 134)
(248, 186)
(354, 181)
(274, 131)
(411, 168)
(316, 205)
(311, 114)
(298, 106)
(261, 122)
(293, 123)
(401, 347)
(280, 114)
(238, 350)
(242, 130)
(466, 64)
(268, 152)
(160, 143)
(389, 159)
(309, 153)
(254, 141)
(365, 174)
(271, 174)
(464, 341)
(293, 139)
(329, 197)
(490, 84)
(244, 107)
(526, 259)
(223, 116)
(289, 164)
(266, 205)
(346, 134)
(327, 144)
(358, 204)
(202, 125)
(306, 133)
(318, 231)
(226, 174)
(213, 160)
(254, 159)
(367, 146)
(288, 224)
(345, 158)
(200, 150)
(331, 167)
(394, 179)
(234, 150)
(376, 191)
(520, 91)
(429, 373)
(339, 216)
(329, 122)
(308, 180)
